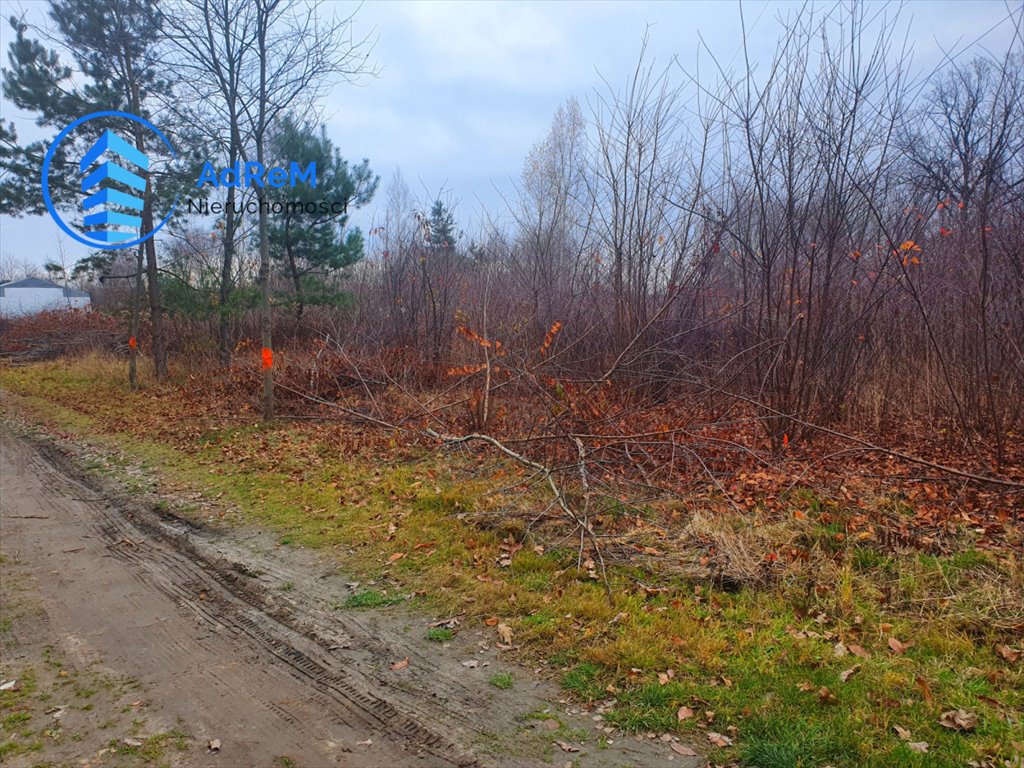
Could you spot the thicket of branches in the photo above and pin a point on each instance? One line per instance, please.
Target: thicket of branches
(827, 240)
(823, 239)
(823, 236)
(822, 249)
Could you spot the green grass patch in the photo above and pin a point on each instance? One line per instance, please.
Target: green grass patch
(153, 749)
(502, 680)
(371, 598)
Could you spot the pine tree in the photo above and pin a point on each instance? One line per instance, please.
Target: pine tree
(442, 227)
(313, 243)
(114, 47)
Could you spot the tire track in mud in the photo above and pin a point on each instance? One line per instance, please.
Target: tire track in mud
(171, 563)
(208, 627)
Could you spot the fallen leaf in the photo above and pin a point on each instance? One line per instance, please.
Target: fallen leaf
(396, 557)
(471, 663)
(366, 743)
(719, 740)
(825, 696)
(897, 646)
(400, 664)
(839, 650)
(903, 733)
(926, 691)
(551, 725)
(858, 651)
(8, 685)
(805, 686)
(214, 745)
(567, 747)
(846, 674)
(684, 713)
(492, 621)
(1009, 654)
(958, 720)
(132, 742)
(918, 746)
(505, 633)
(681, 749)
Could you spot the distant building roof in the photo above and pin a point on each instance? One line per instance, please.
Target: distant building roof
(35, 282)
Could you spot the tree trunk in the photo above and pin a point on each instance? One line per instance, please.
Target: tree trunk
(133, 342)
(296, 281)
(152, 274)
(267, 353)
(156, 310)
(265, 316)
(226, 347)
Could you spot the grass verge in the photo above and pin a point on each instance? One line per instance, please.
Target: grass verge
(849, 657)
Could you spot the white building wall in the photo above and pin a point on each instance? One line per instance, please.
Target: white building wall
(28, 301)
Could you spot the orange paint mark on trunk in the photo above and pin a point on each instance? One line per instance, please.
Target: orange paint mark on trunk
(268, 358)
(133, 344)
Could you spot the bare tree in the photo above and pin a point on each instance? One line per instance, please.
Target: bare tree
(267, 58)
(553, 220)
(297, 53)
(966, 148)
(212, 41)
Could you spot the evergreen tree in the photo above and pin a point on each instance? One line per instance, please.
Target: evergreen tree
(309, 237)
(442, 227)
(114, 47)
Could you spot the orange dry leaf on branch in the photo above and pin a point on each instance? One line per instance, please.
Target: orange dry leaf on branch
(550, 337)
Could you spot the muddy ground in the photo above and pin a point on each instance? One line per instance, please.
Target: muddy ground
(138, 638)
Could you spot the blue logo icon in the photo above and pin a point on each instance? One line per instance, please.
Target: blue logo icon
(113, 201)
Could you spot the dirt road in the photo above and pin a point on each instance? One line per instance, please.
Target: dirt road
(221, 637)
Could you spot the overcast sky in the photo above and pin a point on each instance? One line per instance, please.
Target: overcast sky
(465, 88)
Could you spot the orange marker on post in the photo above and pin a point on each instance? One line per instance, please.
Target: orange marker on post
(268, 358)
(133, 344)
